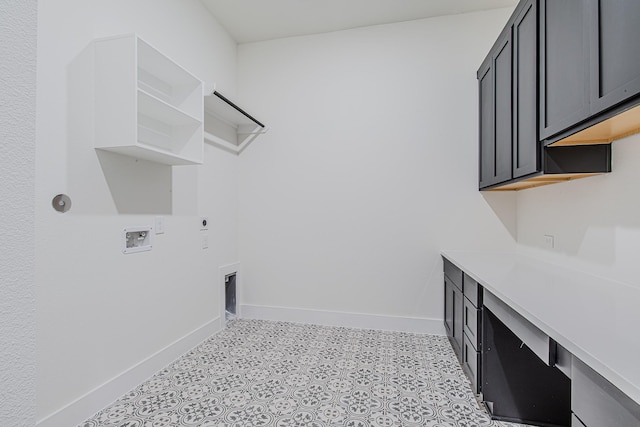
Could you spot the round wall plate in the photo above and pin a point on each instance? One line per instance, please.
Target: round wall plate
(61, 203)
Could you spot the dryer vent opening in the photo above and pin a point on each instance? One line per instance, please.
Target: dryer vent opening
(230, 296)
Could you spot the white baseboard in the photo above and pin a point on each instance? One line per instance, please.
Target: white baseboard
(351, 320)
(85, 406)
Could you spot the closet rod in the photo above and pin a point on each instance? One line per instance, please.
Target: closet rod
(240, 110)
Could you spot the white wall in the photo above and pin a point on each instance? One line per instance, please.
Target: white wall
(100, 312)
(369, 168)
(17, 154)
(595, 221)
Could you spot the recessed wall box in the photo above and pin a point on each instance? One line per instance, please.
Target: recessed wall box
(137, 239)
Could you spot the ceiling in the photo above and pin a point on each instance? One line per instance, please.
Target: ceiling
(257, 20)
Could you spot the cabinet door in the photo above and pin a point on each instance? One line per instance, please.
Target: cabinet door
(615, 57)
(564, 70)
(487, 145)
(597, 402)
(458, 321)
(526, 152)
(448, 306)
(495, 116)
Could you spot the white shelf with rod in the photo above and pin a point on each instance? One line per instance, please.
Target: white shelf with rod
(228, 126)
(146, 105)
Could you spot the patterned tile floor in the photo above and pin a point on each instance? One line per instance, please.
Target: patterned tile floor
(260, 373)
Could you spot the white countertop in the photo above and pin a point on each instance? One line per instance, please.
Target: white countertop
(596, 319)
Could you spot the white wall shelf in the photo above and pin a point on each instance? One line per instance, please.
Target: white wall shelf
(227, 125)
(146, 105)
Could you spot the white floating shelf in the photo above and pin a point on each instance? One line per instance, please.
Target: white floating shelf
(146, 105)
(227, 125)
(158, 109)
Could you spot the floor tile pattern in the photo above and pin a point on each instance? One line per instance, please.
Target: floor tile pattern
(260, 373)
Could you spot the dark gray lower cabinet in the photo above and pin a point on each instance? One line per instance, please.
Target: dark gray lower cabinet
(471, 364)
(453, 306)
(521, 373)
(448, 306)
(458, 308)
(472, 331)
(462, 299)
(453, 309)
(598, 403)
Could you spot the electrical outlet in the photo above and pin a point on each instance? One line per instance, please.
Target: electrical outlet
(549, 241)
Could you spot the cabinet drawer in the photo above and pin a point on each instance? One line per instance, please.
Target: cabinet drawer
(533, 337)
(471, 322)
(597, 402)
(472, 291)
(453, 273)
(470, 362)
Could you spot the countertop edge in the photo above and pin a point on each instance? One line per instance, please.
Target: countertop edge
(630, 389)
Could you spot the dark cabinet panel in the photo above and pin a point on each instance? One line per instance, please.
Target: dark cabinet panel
(487, 145)
(470, 363)
(597, 402)
(495, 80)
(508, 80)
(615, 57)
(503, 126)
(458, 309)
(535, 88)
(471, 322)
(472, 291)
(453, 305)
(448, 306)
(526, 153)
(452, 273)
(517, 386)
(453, 314)
(564, 70)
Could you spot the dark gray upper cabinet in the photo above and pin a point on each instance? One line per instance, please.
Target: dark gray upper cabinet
(487, 142)
(495, 82)
(564, 70)
(526, 152)
(508, 102)
(536, 87)
(589, 67)
(502, 87)
(615, 57)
